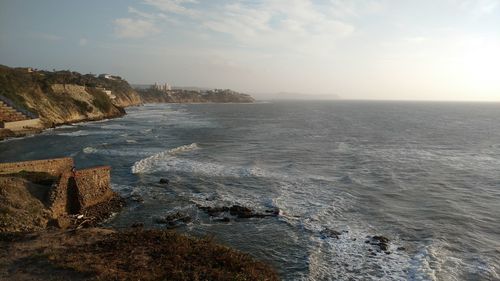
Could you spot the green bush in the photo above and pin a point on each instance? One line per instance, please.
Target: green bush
(101, 100)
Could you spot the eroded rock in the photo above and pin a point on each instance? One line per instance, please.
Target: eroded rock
(330, 233)
(174, 220)
(381, 242)
(238, 211)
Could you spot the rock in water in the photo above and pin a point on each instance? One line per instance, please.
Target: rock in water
(174, 220)
(330, 233)
(164, 181)
(137, 225)
(241, 212)
(381, 241)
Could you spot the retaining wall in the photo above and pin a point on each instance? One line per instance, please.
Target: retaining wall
(23, 124)
(54, 167)
(58, 200)
(73, 192)
(93, 186)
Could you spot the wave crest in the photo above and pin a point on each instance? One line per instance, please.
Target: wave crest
(148, 162)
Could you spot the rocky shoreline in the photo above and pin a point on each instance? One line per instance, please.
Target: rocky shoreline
(132, 254)
(64, 97)
(51, 228)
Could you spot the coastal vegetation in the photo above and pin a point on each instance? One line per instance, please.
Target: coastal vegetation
(153, 95)
(135, 254)
(62, 97)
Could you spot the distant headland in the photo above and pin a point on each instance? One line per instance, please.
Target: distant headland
(32, 100)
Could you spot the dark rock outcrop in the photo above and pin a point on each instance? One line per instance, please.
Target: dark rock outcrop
(238, 211)
(164, 181)
(330, 233)
(174, 220)
(381, 242)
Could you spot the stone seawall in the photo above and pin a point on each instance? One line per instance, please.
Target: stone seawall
(72, 192)
(23, 124)
(58, 200)
(93, 186)
(54, 167)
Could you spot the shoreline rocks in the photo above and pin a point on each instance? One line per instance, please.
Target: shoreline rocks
(238, 211)
(380, 242)
(174, 220)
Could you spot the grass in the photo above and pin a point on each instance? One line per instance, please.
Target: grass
(160, 255)
(101, 100)
(83, 106)
(35, 177)
(18, 84)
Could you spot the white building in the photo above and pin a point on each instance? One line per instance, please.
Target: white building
(165, 87)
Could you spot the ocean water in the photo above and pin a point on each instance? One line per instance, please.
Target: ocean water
(425, 175)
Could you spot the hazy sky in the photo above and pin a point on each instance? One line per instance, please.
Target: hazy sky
(380, 49)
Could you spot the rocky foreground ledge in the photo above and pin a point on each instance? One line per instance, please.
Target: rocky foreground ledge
(135, 254)
(50, 215)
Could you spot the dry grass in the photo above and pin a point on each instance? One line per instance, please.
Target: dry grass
(161, 255)
(98, 254)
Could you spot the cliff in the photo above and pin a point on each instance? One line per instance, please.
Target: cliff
(152, 95)
(64, 97)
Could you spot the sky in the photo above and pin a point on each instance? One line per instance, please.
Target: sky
(356, 49)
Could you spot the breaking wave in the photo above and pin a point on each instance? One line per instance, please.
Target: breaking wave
(147, 163)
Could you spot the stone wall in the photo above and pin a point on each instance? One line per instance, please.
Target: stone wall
(52, 166)
(93, 186)
(58, 198)
(73, 192)
(23, 124)
(88, 187)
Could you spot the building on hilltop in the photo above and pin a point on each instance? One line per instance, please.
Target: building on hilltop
(165, 87)
(109, 76)
(107, 92)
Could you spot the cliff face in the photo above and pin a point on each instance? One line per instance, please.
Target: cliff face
(186, 96)
(64, 96)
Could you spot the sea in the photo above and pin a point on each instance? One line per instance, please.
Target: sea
(426, 175)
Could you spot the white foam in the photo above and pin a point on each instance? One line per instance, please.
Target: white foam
(343, 147)
(75, 133)
(349, 258)
(89, 150)
(148, 163)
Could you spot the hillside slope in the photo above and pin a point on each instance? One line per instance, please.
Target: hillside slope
(152, 95)
(63, 96)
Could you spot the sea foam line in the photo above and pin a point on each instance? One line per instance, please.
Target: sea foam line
(148, 162)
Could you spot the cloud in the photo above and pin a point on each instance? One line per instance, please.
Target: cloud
(355, 8)
(173, 6)
(417, 39)
(83, 41)
(302, 26)
(47, 36)
(298, 25)
(480, 7)
(141, 14)
(134, 28)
